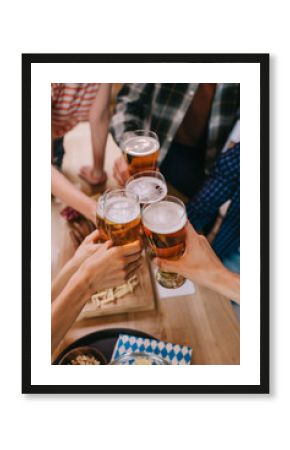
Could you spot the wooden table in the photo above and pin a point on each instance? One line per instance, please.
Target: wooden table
(205, 321)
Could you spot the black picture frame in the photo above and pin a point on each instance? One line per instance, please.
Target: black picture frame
(263, 61)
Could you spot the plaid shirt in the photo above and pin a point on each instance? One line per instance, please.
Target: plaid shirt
(161, 107)
(223, 184)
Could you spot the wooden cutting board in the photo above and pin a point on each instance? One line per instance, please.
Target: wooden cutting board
(142, 299)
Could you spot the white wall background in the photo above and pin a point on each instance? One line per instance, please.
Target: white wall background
(205, 422)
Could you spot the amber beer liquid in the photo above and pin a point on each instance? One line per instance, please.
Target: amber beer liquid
(150, 186)
(100, 220)
(122, 216)
(142, 151)
(164, 225)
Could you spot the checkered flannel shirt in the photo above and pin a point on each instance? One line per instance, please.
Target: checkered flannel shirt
(221, 185)
(161, 107)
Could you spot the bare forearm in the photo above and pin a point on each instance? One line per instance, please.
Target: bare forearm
(99, 134)
(226, 283)
(62, 188)
(62, 278)
(67, 306)
(99, 118)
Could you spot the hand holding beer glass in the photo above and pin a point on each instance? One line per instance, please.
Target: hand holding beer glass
(164, 225)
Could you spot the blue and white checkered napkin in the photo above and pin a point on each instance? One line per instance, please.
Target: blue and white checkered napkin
(173, 353)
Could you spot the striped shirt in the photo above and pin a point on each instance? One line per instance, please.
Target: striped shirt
(70, 104)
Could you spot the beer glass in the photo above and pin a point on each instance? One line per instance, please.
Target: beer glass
(100, 219)
(150, 186)
(141, 149)
(164, 225)
(122, 216)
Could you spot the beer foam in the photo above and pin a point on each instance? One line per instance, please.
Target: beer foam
(149, 189)
(100, 208)
(141, 145)
(122, 210)
(164, 217)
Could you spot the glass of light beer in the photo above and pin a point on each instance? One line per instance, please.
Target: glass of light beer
(150, 186)
(141, 149)
(100, 219)
(164, 225)
(122, 216)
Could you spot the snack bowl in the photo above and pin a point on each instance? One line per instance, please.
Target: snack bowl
(139, 359)
(85, 355)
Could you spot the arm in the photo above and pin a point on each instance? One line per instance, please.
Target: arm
(67, 306)
(226, 283)
(62, 278)
(217, 189)
(62, 188)
(99, 117)
(87, 248)
(106, 267)
(201, 265)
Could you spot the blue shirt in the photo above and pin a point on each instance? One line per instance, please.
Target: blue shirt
(222, 184)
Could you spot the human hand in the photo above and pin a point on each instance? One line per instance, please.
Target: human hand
(87, 248)
(93, 176)
(199, 262)
(110, 266)
(121, 170)
(80, 229)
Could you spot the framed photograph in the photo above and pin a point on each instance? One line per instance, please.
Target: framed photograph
(145, 236)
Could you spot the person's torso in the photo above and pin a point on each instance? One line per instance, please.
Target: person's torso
(71, 103)
(194, 125)
(171, 102)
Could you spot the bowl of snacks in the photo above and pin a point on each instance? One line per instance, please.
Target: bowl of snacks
(140, 359)
(83, 356)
